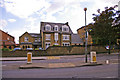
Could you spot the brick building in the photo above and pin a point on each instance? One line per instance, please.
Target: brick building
(30, 40)
(81, 32)
(55, 34)
(6, 40)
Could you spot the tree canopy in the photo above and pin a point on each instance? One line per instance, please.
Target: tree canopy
(104, 29)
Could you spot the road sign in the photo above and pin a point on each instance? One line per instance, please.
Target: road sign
(93, 56)
(29, 57)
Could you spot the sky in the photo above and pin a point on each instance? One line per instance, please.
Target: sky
(19, 16)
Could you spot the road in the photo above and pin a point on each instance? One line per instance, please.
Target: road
(11, 70)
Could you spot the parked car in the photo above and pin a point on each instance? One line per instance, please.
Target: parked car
(107, 47)
(113, 47)
(17, 49)
(40, 48)
(29, 49)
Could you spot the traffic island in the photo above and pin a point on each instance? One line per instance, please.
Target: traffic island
(56, 65)
(92, 64)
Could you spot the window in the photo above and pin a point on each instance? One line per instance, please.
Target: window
(26, 39)
(36, 40)
(23, 47)
(47, 27)
(66, 44)
(66, 37)
(48, 36)
(56, 36)
(55, 28)
(39, 40)
(65, 28)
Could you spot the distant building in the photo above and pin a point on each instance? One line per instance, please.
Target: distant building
(76, 40)
(81, 32)
(30, 40)
(58, 34)
(6, 40)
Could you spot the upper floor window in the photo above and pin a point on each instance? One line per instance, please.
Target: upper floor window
(48, 36)
(36, 39)
(48, 27)
(56, 36)
(8, 38)
(66, 37)
(65, 28)
(26, 39)
(55, 28)
(39, 40)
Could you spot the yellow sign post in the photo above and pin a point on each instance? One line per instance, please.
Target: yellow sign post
(29, 57)
(93, 56)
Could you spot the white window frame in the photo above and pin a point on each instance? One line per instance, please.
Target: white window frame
(26, 39)
(39, 40)
(66, 37)
(47, 27)
(56, 28)
(56, 36)
(36, 39)
(47, 36)
(65, 27)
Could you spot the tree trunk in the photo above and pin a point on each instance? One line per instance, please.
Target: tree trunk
(109, 47)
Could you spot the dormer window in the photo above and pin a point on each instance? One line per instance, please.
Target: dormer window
(65, 28)
(48, 27)
(56, 28)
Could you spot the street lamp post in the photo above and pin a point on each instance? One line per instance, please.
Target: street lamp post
(85, 9)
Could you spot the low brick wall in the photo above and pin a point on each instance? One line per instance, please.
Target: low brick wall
(56, 51)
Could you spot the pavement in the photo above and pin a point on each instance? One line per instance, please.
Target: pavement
(39, 58)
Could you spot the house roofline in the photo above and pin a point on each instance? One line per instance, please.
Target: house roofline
(7, 33)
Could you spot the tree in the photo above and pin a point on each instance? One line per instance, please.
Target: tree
(103, 30)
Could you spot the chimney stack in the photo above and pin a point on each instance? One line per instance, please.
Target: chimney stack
(66, 23)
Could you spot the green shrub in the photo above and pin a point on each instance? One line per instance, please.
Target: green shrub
(5, 49)
(56, 45)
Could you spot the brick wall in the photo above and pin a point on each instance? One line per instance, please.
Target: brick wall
(56, 50)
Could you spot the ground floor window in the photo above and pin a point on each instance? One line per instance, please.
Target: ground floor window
(66, 44)
(9, 47)
(5, 47)
(25, 47)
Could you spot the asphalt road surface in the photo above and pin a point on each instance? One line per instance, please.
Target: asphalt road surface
(11, 70)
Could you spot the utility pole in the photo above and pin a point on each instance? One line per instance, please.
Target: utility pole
(85, 9)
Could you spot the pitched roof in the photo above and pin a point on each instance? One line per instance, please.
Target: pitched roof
(53, 24)
(34, 35)
(6, 33)
(82, 27)
(75, 38)
(8, 43)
